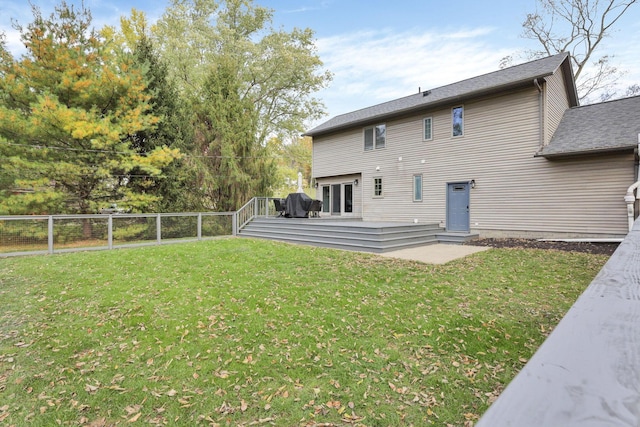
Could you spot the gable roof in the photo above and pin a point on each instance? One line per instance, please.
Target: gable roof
(506, 79)
(596, 128)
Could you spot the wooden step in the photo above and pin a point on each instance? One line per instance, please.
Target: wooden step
(375, 237)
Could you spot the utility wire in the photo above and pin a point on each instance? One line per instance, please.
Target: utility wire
(93, 150)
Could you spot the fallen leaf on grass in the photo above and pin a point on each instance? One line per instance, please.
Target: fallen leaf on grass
(261, 421)
(134, 418)
(133, 409)
(333, 404)
(91, 389)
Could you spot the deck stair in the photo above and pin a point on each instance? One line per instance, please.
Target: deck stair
(377, 237)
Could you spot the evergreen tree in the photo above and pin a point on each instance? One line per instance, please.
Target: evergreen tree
(234, 166)
(175, 187)
(67, 110)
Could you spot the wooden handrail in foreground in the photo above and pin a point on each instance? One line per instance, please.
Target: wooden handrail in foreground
(587, 372)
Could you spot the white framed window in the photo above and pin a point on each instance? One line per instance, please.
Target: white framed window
(417, 188)
(427, 129)
(377, 187)
(457, 121)
(375, 137)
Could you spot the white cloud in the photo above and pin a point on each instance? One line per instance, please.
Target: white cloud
(376, 66)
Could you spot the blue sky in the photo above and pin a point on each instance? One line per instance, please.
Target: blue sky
(379, 50)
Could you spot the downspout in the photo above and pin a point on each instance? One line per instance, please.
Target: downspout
(540, 114)
(630, 198)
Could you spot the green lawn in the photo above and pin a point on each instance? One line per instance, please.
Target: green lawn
(244, 332)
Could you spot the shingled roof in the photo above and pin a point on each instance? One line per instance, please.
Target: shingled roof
(497, 81)
(597, 128)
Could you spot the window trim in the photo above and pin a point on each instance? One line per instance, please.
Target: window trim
(453, 135)
(326, 207)
(415, 199)
(374, 140)
(381, 195)
(424, 128)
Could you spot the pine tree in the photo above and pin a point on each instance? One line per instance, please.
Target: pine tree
(67, 110)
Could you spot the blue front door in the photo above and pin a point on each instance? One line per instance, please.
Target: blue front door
(458, 206)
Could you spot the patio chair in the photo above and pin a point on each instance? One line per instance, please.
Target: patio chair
(315, 208)
(280, 206)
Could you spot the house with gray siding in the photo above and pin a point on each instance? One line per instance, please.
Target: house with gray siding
(509, 153)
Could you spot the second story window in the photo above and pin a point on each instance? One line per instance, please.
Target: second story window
(375, 137)
(457, 120)
(427, 134)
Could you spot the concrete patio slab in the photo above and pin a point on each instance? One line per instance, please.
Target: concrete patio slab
(435, 254)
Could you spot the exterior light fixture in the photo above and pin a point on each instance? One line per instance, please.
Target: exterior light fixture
(473, 183)
(355, 182)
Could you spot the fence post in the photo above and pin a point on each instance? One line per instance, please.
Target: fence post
(199, 225)
(50, 234)
(256, 206)
(158, 229)
(234, 224)
(110, 231)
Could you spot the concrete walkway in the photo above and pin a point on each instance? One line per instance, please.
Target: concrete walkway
(435, 254)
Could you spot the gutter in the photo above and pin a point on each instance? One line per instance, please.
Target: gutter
(423, 106)
(566, 154)
(540, 114)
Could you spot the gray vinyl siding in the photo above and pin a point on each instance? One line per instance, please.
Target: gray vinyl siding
(557, 103)
(515, 192)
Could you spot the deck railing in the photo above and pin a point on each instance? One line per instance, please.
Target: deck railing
(258, 206)
(587, 372)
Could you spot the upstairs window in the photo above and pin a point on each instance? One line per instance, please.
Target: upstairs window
(375, 137)
(457, 120)
(427, 129)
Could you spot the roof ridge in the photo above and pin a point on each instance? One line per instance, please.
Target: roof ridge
(608, 101)
(502, 70)
(493, 81)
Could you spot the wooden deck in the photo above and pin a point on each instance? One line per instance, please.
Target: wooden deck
(587, 372)
(351, 234)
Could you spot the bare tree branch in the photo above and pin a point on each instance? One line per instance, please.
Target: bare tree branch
(578, 27)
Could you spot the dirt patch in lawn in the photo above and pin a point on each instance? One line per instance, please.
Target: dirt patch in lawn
(587, 247)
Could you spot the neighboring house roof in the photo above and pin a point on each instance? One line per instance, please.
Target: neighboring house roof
(498, 81)
(596, 128)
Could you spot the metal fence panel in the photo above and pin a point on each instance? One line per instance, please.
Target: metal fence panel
(179, 227)
(214, 225)
(80, 232)
(33, 234)
(24, 234)
(134, 229)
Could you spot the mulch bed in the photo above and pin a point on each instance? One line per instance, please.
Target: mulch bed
(588, 247)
